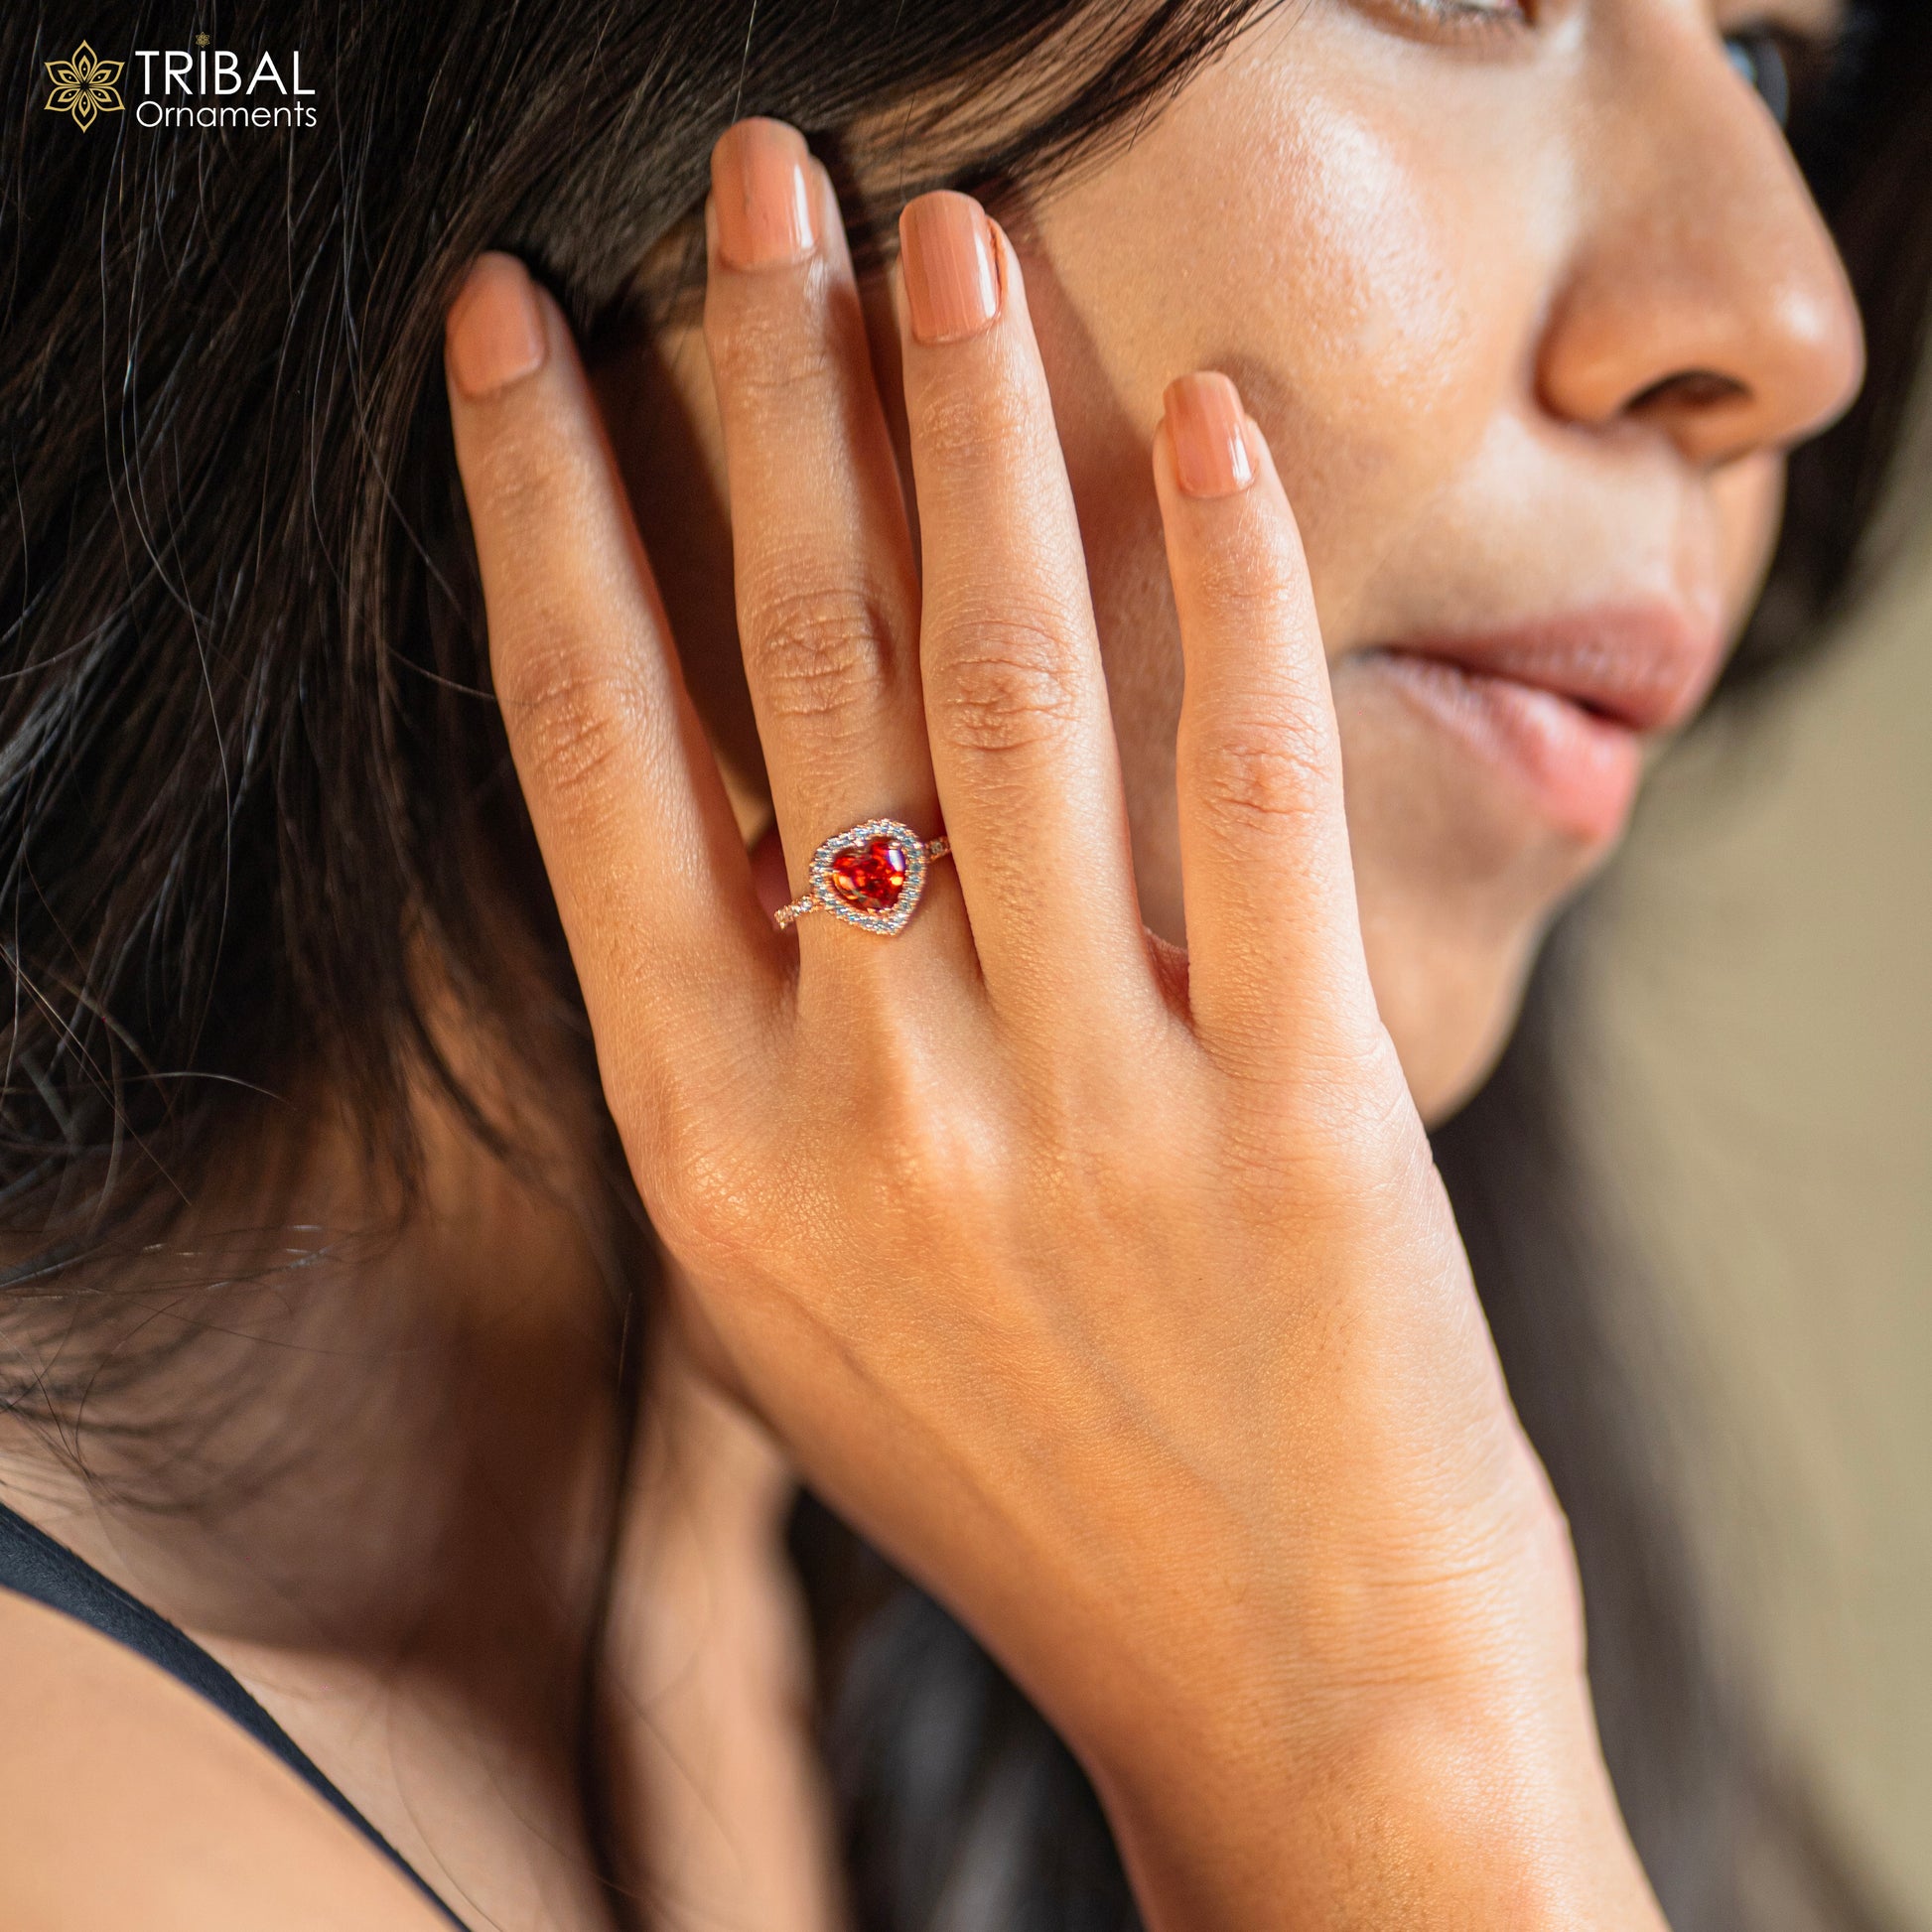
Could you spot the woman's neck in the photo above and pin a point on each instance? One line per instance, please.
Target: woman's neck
(375, 1471)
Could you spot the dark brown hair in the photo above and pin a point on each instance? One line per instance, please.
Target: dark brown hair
(250, 772)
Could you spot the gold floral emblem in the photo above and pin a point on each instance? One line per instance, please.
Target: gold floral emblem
(84, 86)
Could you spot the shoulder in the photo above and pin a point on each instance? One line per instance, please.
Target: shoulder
(127, 1801)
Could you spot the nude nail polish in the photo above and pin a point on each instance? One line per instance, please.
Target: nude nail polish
(950, 265)
(495, 328)
(762, 194)
(1211, 435)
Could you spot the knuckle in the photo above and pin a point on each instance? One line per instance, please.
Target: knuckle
(569, 708)
(817, 653)
(693, 1168)
(1372, 1112)
(530, 477)
(1003, 683)
(763, 349)
(929, 1149)
(940, 1182)
(1343, 1132)
(1271, 773)
(917, 1149)
(970, 425)
(699, 1218)
(1244, 580)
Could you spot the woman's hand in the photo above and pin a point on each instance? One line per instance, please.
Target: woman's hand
(1113, 1294)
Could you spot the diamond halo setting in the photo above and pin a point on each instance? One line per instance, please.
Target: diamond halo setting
(871, 876)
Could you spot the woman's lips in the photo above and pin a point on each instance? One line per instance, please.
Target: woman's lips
(1563, 705)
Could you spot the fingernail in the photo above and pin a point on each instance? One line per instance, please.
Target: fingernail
(952, 275)
(495, 330)
(763, 195)
(1210, 435)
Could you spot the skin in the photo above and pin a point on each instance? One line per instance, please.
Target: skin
(1134, 1199)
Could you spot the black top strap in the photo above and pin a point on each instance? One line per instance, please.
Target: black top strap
(33, 1565)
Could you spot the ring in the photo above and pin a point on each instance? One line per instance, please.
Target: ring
(870, 876)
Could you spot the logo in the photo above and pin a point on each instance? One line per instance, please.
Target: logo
(203, 86)
(83, 87)
(210, 86)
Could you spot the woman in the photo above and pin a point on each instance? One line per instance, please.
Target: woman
(1400, 388)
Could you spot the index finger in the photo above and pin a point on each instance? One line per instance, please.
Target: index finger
(649, 872)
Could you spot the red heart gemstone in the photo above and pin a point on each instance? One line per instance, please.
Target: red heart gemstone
(870, 876)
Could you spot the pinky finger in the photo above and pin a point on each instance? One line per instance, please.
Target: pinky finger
(1276, 966)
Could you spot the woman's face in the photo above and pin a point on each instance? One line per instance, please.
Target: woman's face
(1528, 304)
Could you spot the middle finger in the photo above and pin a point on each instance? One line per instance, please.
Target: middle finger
(827, 594)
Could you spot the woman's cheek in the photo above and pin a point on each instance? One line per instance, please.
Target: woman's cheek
(1308, 240)
(1376, 308)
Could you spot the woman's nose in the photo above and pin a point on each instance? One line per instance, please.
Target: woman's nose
(1706, 298)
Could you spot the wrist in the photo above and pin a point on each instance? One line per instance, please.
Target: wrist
(1477, 1806)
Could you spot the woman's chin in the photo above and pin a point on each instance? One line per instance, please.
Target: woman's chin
(1446, 1061)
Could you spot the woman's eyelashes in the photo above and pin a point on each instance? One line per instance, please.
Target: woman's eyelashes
(1783, 61)
(1467, 15)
